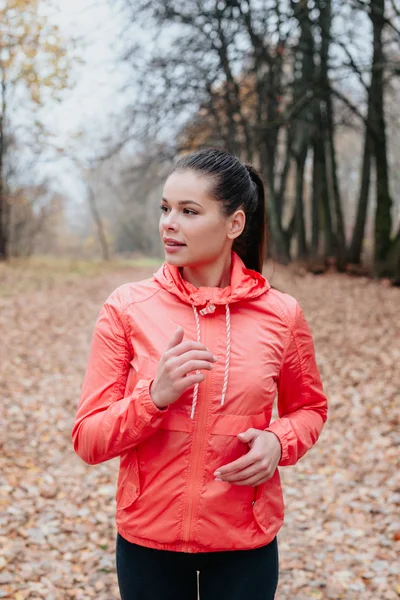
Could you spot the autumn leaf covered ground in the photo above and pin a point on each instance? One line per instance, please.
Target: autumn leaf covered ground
(341, 536)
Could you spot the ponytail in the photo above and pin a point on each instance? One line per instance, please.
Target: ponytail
(253, 252)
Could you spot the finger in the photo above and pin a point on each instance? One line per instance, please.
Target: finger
(190, 381)
(195, 355)
(186, 346)
(249, 435)
(251, 481)
(176, 338)
(251, 471)
(193, 365)
(237, 465)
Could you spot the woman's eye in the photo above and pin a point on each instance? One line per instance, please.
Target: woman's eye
(186, 211)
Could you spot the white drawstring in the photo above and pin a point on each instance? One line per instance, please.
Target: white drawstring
(210, 309)
(228, 352)
(196, 387)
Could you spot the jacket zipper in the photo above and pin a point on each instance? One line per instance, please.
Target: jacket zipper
(198, 448)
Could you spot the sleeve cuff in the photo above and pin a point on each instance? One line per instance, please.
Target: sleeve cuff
(143, 389)
(278, 428)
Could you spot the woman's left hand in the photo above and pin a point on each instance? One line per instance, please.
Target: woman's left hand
(258, 465)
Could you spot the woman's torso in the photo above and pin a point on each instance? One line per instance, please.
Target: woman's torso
(167, 495)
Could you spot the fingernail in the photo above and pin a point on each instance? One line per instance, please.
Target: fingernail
(218, 479)
(215, 358)
(217, 473)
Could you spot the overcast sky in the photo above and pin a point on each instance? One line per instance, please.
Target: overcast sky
(87, 109)
(96, 26)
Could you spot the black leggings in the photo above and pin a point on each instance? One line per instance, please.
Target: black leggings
(149, 574)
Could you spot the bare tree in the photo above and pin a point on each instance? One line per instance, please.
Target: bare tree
(267, 80)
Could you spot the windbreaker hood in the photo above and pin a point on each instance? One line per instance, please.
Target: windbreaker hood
(245, 284)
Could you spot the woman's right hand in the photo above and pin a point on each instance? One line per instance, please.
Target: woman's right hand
(175, 369)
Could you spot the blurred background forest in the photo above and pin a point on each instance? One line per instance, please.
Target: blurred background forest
(309, 91)
(97, 100)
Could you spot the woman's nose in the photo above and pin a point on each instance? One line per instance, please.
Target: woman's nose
(169, 222)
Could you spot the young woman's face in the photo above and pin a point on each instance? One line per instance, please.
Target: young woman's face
(193, 229)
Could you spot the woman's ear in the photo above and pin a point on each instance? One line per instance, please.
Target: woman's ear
(236, 224)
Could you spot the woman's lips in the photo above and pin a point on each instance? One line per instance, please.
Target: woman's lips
(172, 247)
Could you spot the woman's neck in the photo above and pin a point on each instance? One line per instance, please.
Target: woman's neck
(217, 274)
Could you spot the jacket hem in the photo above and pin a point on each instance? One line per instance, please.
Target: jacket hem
(190, 548)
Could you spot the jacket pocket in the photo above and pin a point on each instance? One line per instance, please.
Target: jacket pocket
(263, 505)
(232, 425)
(225, 505)
(128, 487)
(268, 507)
(225, 446)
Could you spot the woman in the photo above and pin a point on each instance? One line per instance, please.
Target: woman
(182, 375)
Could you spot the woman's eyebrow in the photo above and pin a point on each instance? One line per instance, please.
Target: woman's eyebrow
(181, 202)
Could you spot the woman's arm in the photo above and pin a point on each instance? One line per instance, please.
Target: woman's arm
(106, 423)
(302, 404)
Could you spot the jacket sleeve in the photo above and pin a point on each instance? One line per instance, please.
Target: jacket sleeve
(107, 424)
(302, 404)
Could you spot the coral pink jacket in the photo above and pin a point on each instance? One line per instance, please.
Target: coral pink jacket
(167, 496)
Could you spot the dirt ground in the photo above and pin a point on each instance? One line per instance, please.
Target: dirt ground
(341, 535)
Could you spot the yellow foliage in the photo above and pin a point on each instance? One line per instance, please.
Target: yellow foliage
(31, 48)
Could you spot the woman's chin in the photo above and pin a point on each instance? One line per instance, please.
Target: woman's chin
(176, 261)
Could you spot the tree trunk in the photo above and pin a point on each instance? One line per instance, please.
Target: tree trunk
(304, 125)
(302, 251)
(279, 250)
(268, 76)
(329, 188)
(394, 259)
(316, 195)
(283, 179)
(341, 249)
(321, 215)
(383, 220)
(3, 244)
(329, 237)
(99, 224)
(4, 208)
(354, 253)
(375, 145)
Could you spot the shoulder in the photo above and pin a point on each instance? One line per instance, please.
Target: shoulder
(284, 305)
(131, 293)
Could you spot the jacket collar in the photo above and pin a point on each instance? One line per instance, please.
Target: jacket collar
(245, 284)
